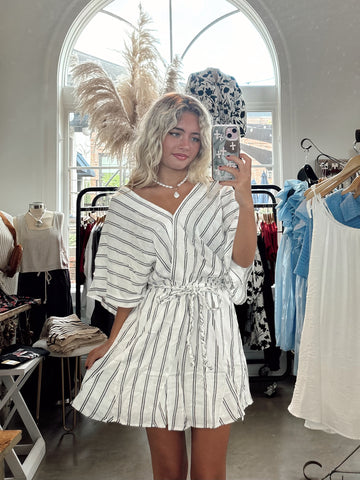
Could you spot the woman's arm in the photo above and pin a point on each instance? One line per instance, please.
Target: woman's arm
(99, 352)
(245, 240)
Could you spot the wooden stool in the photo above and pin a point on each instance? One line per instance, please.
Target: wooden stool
(8, 440)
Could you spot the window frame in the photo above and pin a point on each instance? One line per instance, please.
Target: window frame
(259, 98)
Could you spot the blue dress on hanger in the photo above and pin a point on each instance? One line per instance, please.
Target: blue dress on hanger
(285, 310)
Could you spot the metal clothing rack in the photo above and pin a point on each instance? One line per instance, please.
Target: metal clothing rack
(267, 189)
(102, 191)
(307, 144)
(270, 190)
(335, 470)
(328, 163)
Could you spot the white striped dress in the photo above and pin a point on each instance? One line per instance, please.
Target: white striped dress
(178, 360)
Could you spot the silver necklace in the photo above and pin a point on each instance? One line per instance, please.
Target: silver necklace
(38, 221)
(176, 193)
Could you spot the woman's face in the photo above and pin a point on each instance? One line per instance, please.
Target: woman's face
(181, 144)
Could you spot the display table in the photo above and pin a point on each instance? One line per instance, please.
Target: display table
(32, 453)
(14, 312)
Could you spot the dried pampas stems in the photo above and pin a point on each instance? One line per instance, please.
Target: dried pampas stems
(115, 110)
(97, 97)
(173, 75)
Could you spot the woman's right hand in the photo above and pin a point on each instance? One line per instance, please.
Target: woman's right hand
(97, 353)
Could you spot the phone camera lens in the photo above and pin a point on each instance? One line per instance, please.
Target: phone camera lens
(234, 130)
(229, 135)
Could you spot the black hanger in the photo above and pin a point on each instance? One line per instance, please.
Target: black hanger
(307, 174)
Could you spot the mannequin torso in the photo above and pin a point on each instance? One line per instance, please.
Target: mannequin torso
(40, 233)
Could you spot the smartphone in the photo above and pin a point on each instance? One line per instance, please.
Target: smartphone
(225, 141)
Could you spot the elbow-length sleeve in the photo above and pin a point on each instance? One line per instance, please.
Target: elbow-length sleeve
(124, 259)
(237, 276)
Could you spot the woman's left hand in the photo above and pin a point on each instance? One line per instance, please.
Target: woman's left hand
(242, 178)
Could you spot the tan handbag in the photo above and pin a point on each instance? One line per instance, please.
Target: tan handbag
(16, 254)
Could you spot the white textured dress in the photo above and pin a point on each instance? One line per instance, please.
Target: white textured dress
(327, 388)
(178, 359)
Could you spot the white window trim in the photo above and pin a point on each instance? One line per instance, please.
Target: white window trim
(266, 98)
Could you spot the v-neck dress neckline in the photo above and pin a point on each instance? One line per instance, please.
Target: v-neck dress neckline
(153, 204)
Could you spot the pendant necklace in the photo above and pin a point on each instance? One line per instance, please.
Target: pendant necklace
(176, 193)
(38, 221)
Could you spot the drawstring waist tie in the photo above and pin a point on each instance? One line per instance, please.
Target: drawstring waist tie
(192, 292)
(47, 280)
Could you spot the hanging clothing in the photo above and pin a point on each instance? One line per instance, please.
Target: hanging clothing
(84, 233)
(269, 233)
(302, 240)
(272, 353)
(295, 264)
(88, 304)
(92, 310)
(327, 388)
(285, 312)
(346, 210)
(221, 95)
(53, 289)
(178, 360)
(252, 314)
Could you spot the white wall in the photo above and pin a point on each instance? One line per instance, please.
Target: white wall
(317, 43)
(31, 37)
(320, 69)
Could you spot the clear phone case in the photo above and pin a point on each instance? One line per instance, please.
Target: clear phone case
(225, 141)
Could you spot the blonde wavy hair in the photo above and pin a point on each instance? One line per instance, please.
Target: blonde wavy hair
(162, 116)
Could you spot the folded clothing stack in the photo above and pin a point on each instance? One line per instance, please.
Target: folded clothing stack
(65, 334)
(21, 355)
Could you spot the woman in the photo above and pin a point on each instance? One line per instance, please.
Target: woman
(174, 256)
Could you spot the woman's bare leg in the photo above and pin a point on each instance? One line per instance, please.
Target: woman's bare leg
(208, 453)
(168, 454)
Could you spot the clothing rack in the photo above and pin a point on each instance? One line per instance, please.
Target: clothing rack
(306, 144)
(327, 163)
(270, 190)
(335, 470)
(102, 191)
(267, 189)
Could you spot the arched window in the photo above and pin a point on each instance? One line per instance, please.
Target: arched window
(223, 34)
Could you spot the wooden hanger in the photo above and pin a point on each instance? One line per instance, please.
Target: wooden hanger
(326, 186)
(354, 187)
